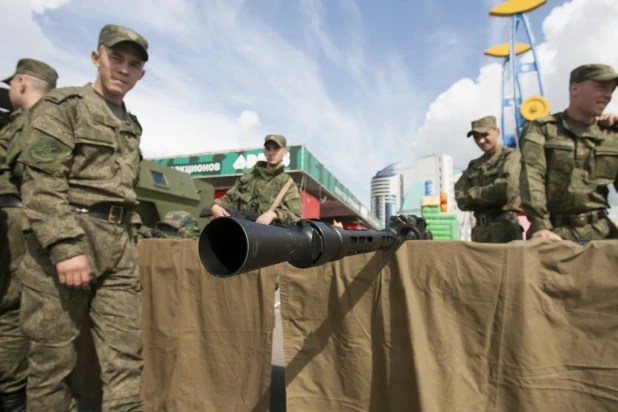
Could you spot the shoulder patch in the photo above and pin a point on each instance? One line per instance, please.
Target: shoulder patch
(45, 150)
(61, 94)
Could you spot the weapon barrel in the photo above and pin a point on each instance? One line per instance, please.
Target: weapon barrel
(230, 246)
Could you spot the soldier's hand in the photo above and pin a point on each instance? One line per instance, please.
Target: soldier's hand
(546, 234)
(608, 120)
(267, 217)
(74, 272)
(218, 211)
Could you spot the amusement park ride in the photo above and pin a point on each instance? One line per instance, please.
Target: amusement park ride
(514, 106)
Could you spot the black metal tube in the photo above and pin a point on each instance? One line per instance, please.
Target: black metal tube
(229, 246)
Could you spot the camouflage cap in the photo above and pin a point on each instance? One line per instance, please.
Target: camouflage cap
(178, 219)
(598, 72)
(277, 138)
(112, 34)
(35, 68)
(483, 125)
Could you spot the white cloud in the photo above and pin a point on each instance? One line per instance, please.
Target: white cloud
(39, 6)
(213, 68)
(210, 61)
(577, 32)
(248, 119)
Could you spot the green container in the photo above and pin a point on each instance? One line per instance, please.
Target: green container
(441, 216)
(442, 228)
(430, 209)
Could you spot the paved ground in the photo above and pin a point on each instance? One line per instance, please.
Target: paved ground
(278, 335)
(277, 391)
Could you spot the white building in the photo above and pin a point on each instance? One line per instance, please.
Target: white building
(439, 170)
(387, 193)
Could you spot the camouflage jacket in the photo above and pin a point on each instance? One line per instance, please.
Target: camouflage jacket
(490, 185)
(10, 147)
(563, 174)
(75, 151)
(256, 190)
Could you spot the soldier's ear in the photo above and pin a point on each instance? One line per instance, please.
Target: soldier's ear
(95, 56)
(21, 83)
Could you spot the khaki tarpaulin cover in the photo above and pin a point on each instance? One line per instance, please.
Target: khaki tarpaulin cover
(455, 326)
(207, 341)
(439, 326)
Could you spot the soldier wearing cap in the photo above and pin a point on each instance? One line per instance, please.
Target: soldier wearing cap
(489, 187)
(30, 82)
(81, 157)
(569, 159)
(257, 189)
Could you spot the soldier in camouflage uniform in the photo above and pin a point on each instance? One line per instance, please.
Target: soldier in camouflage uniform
(569, 159)
(81, 158)
(489, 187)
(177, 224)
(256, 190)
(30, 82)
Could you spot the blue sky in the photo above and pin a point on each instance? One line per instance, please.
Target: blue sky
(362, 83)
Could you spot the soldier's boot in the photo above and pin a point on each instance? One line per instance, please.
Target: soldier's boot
(13, 402)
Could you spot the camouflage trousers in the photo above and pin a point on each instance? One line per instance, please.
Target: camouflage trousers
(13, 344)
(497, 232)
(601, 229)
(53, 314)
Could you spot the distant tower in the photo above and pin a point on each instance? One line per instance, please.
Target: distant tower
(532, 107)
(387, 192)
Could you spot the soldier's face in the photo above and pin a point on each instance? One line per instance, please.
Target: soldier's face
(592, 97)
(487, 142)
(274, 153)
(120, 68)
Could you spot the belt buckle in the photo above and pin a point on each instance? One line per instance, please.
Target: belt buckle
(110, 216)
(580, 220)
(483, 220)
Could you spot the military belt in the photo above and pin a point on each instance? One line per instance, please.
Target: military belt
(10, 201)
(483, 219)
(113, 213)
(579, 220)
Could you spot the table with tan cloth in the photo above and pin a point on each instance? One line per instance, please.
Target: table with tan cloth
(436, 326)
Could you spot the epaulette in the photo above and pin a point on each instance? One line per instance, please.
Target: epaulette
(550, 118)
(473, 162)
(63, 93)
(134, 118)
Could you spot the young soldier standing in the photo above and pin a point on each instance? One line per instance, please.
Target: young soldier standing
(489, 187)
(81, 159)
